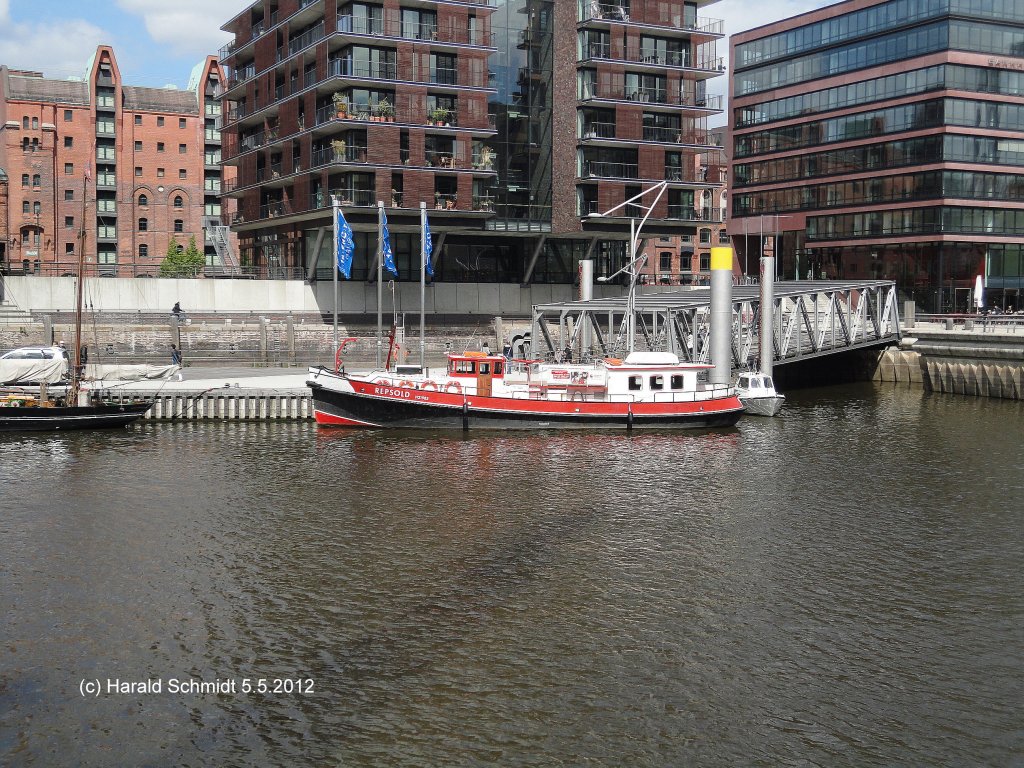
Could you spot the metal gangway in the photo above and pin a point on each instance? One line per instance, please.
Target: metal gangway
(220, 236)
(811, 318)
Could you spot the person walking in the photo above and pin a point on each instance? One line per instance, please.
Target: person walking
(175, 355)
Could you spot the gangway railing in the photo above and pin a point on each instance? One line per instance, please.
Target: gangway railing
(811, 318)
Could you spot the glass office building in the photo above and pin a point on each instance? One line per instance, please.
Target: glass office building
(885, 140)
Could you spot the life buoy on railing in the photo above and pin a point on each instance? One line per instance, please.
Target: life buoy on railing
(453, 384)
(407, 384)
(382, 382)
(429, 385)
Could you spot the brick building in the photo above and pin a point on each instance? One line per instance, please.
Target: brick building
(512, 120)
(141, 165)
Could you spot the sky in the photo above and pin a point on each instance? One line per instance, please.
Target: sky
(157, 42)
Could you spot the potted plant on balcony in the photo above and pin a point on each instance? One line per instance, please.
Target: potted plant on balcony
(341, 104)
(386, 111)
(487, 158)
(338, 145)
(437, 201)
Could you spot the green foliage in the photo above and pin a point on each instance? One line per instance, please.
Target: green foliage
(187, 263)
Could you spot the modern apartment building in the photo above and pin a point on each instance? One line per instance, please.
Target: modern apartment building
(142, 165)
(885, 139)
(513, 121)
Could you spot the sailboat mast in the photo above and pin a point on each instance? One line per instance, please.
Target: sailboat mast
(76, 383)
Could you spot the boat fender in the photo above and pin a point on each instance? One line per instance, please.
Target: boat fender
(453, 386)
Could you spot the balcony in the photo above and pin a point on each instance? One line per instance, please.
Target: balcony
(361, 70)
(339, 154)
(598, 131)
(600, 169)
(306, 39)
(688, 213)
(618, 12)
(394, 28)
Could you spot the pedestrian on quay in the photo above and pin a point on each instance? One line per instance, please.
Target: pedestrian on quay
(175, 355)
(177, 312)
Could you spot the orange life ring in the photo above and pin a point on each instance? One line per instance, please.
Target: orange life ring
(407, 384)
(429, 385)
(382, 382)
(457, 385)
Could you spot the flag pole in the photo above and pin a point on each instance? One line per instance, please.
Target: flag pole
(380, 276)
(423, 282)
(335, 207)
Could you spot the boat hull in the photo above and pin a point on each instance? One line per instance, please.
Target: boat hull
(374, 406)
(763, 406)
(105, 416)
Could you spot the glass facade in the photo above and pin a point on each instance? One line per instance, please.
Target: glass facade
(954, 34)
(907, 187)
(930, 220)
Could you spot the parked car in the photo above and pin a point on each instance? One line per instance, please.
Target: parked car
(34, 353)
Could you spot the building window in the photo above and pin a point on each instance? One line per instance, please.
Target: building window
(723, 237)
(37, 207)
(143, 200)
(67, 115)
(159, 146)
(138, 146)
(24, 179)
(182, 149)
(178, 201)
(35, 177)
(138, 170)
(138, 119)
(181, 122)
(160, 122)
(25, 208)
(69, 194)
(705, 262)
(24, 123)
(143, 225)
(182, 173)
(705, 236)
(69, 248)
(143, 251)
(160, 173)
(69, 169)
(35, 123)
(665, 261)
(69, 222)
(69, 141)
(181, 249)
(179, 225)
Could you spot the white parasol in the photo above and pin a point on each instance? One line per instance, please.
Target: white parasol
(979, 292)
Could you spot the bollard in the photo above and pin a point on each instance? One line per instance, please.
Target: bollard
(969, 324)
(949, 323)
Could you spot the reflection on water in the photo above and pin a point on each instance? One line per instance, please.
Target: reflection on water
(837, 587)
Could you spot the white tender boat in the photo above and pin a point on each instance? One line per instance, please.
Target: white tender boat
(757, 393)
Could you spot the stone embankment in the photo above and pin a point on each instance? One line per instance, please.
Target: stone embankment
(984, 360)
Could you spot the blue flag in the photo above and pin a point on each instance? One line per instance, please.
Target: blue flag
(345, 246)
(428, 248)
(388, 255)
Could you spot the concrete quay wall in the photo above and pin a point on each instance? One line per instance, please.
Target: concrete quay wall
(962, 363)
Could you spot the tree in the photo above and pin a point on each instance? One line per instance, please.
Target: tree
(182, 263)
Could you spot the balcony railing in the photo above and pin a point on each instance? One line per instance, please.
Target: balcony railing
(688, 213)
(445, 201)
(594, 168)
(411, 31)
(617, 90)
(598, 130)
(369, 70)
(444, 160)
(604, 11)
(656, 133)
(306, 39)
(328, 155)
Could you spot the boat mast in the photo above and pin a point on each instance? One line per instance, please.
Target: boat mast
(75, 380)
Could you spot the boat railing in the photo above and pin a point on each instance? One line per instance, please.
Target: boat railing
(598, 394)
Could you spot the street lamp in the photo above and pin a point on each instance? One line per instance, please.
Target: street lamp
(635, 261)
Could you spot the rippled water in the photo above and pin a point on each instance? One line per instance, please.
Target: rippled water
(841, 586)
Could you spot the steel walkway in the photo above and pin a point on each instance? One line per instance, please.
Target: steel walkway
(812, 318)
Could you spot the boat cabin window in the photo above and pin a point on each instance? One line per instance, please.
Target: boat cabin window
(462, 366)
(497, 369)
(485, 367)
(768, 382)
(755, 382)
(676, 382)
(743, 382)
(657, 382)
(636, 383)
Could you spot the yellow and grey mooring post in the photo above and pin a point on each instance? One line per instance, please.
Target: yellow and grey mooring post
(721, 315)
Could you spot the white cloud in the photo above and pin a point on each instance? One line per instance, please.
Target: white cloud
(56, 47)
(187, 27)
